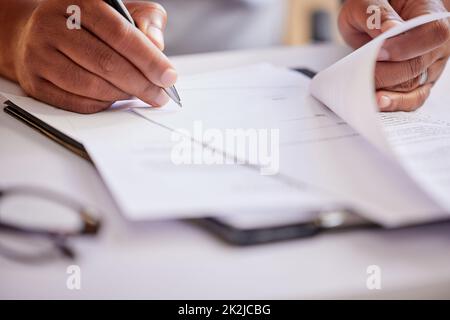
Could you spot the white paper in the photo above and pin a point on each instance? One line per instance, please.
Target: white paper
(418, 141)
(316, 146)
(133, 157)
(421, 140)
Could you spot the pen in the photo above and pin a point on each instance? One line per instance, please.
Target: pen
(120, 8)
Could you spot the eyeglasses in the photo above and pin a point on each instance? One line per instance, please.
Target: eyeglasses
(35, 224)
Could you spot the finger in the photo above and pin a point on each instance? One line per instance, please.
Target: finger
(390, 74)
(104, 22)
(408, 46)
(97, 57)
(47, 92)
(70, 77)
(434, 73)
(151, 19)
(410, 101)
(367, 19)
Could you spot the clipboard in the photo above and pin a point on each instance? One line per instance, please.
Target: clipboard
(346, 219)
(48, 131)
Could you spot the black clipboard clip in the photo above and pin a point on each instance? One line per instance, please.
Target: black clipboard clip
(326, 221)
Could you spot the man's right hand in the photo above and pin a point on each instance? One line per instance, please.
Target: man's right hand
(87, 70)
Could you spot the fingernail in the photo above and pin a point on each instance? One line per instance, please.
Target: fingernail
(168, 78)
(156, 35)
(384, 102)
(383, 55)
(161, 99)
(157, 19)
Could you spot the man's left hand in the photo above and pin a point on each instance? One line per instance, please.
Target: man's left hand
(409, 64)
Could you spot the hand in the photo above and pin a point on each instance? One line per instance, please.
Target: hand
(403, 59)
(87, 70)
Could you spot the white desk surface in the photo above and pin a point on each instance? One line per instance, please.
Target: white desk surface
(176, 260)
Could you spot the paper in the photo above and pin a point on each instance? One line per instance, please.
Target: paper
(133, 157)
(422, 144)
(317, 147)
(250, 100)
(147, 184)
(418, 141)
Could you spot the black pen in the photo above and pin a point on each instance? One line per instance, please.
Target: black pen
(120, 8)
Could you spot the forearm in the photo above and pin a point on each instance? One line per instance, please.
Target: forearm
(14, 15)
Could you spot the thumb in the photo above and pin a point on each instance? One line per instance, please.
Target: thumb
(151, 19)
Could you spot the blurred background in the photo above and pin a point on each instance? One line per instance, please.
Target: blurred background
(312, 21)
(196, 26)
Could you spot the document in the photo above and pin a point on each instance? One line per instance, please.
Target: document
(133, 157)
(313, 138)
(317, 148)
(416, 141)
(327, 146)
